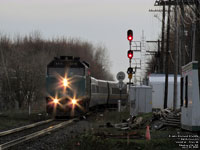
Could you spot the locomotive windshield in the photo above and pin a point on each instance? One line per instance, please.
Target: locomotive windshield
(77, 88)
(69, 71)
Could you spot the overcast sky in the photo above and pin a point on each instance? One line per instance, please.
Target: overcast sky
(103, 22)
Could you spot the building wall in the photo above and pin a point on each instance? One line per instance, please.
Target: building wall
(157, 82)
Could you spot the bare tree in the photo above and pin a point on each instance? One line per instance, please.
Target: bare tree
(22, 77)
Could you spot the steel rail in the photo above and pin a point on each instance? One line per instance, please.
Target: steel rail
(24, 127)
(36, 134)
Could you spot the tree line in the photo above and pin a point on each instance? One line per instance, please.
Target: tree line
(23, 62)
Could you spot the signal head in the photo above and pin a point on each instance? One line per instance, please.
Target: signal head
(130, 35)
(130, 76)
(130, 70)
(130, 54)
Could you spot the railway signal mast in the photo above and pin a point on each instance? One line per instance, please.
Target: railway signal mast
(130, 55)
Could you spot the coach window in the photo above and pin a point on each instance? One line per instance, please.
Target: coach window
(93, 89)
(97, 91)
(124, 91)
(103, 90)
(115, 91)
(186, 91)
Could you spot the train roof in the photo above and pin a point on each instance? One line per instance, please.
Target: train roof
(67, 61)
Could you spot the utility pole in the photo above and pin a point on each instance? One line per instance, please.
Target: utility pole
(157, 54)
(167, 57)
(182, 42)
(193, 41)
(162, 49)
(176, 58)
(197, 46)
(197, 54)
(163, 41)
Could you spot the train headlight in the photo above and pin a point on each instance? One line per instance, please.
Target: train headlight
(74, 101)
(65, 82)
(55, 100)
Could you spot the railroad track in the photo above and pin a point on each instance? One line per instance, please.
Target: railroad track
(32, 135)
(24, 127)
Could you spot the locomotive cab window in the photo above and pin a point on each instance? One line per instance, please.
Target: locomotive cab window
(69, 71)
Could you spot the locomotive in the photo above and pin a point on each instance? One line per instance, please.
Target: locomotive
(72, 91)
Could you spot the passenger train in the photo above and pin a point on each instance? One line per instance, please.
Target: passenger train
(72, 91)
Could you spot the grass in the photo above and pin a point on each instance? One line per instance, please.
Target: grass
(146, 116)
(114, 116)
(91, 142)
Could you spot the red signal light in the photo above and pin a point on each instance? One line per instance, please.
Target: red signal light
(130, 35)
(130, 54)
(130, 38)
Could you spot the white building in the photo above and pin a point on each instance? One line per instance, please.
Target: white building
(157, 81)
